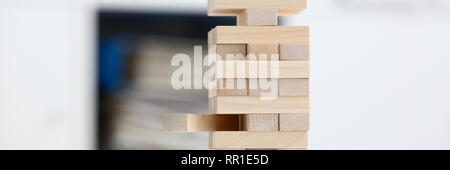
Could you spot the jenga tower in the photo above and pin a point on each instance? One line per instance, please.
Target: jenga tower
(260, 96)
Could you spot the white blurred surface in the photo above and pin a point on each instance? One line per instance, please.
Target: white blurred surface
(381, 72)
(46, 77)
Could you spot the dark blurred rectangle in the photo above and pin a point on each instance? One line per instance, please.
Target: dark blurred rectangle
(135, 52)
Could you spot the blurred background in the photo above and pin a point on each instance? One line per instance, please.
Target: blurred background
(95, 74)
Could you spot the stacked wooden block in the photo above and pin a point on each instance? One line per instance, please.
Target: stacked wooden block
(260, 96)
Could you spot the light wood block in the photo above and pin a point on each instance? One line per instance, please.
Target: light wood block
(260, 50)
(232, 149)
(212, 90)
(290, 52)
(286, 69)
(231, 51)
(294, 122)
(254, 104)
(293, 87)
(257, 87)
(259, 35)
(257, 17)
(201, 122)
(235, 7)
(232, 87)
(228, 87)
(211, 39)
(259, 122)
(261, 139)
(212, 49)
(212, 105)
(225, 53)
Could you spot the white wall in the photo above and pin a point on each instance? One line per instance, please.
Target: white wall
(46, 75)
(380, 73)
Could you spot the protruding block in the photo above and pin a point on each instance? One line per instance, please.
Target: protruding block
(256, 104)
(294, 122)
(260, 139)
(262, 52)
(235, 7)
(201, 122)
(257, 17)
(290, 52)
(267, 87)
(259, 122)
(293, 87)
(259, 35)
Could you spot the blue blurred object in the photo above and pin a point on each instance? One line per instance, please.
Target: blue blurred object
(113, 52)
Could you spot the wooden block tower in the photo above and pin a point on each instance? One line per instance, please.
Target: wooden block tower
(260, 95)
